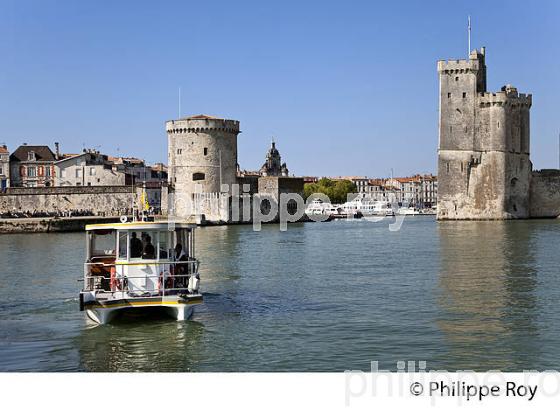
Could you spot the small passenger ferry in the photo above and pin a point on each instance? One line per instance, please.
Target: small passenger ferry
(140, 267)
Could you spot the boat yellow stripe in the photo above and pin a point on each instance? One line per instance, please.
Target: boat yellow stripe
(139, 304)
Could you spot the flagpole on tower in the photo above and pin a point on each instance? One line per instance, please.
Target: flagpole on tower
(469, 35)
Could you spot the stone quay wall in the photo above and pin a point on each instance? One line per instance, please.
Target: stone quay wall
(47, 225)
(100, 200)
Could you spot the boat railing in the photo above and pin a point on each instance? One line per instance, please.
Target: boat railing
(107, 280)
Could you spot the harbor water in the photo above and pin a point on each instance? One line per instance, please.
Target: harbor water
(319, 297)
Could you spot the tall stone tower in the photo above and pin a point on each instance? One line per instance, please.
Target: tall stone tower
(202, 155)
(484, 169)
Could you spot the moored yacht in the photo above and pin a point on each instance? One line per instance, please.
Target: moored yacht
(368, 207)
(139, 266)
(408, 211)
(318, 207)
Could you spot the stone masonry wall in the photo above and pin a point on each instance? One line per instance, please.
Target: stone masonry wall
(545, 194)
(101, 200)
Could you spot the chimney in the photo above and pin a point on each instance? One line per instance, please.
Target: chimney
(57, 150)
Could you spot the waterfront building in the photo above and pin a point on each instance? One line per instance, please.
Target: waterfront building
(88, 183)
(4, 167)
(89, 168)
(429, 189)
(409, 188)
(418, 190)
(32, 166)
(310, 180)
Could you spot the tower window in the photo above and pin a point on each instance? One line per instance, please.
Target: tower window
(456, 78)
(205, 151)
(464, 95)
(498, 124)
(179, 151)
(462, 169)
(198, 176)
(448, 95)
(447, 167)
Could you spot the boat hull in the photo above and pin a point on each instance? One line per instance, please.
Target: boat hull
(105, 312)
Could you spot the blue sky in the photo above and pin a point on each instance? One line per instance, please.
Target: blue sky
(345, 88)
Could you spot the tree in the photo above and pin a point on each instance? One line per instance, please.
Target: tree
(337, 190)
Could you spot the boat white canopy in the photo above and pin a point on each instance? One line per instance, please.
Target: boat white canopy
(153, 226)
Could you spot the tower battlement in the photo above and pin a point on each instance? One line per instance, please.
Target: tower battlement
(474, 63)
(458, 66)
(199, 123)
(509, 97)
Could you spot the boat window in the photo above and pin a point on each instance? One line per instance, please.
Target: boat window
(103, 243)
(163, 248)
(123, 246)
(143, 245)
(136, 246)
(183, 239)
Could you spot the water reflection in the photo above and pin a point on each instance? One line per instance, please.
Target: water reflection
(487, 295)
(157, 345)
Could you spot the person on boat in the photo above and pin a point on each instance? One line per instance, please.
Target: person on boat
(135, 246)
(149, 250)
(181, 269)
(180, 253)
